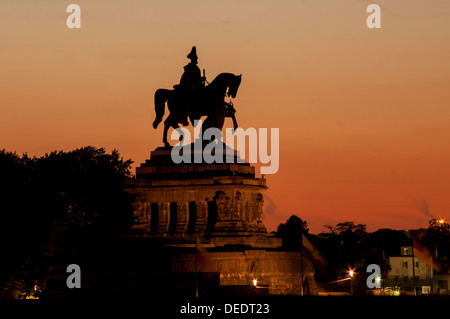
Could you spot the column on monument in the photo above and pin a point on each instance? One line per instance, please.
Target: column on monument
(173, 218)
(259, 211)
(237, 207)
(254, 214)
(223, 206)
(163, 217)
(246, 213)
(243, 213)
(148, 215)
(141, 214)
(192, 217)
(250, 208)
(153, 217)
(212, 216)
(182, 217)
(202, 215)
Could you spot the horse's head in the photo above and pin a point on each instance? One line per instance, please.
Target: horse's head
(224, 82)
(234, 85)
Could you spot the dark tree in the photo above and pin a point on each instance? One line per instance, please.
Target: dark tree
(439, 224)
(342, 247)
(352, 237)
(85, 187)
(60, 203)
(437, 240)
(291, 232)
(18, 223)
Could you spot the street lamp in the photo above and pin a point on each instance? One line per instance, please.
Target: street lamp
(351, 273)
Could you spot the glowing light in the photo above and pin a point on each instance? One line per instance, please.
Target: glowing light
(255, 282)
(441, 221)
(377, 280)
(351, 273)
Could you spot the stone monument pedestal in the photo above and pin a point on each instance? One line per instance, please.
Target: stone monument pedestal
(221, 202)
(207, 219)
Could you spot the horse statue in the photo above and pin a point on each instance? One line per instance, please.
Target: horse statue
(208, 101)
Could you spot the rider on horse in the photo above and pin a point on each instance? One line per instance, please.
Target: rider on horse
(191, 83)
(191, 78)
(192, 99)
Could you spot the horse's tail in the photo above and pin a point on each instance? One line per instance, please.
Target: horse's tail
(161, 97)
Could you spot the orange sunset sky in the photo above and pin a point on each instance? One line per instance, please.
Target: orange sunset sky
(363, 113)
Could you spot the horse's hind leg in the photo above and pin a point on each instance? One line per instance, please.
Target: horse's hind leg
(166, 129)
(171, 122)
(179, 130)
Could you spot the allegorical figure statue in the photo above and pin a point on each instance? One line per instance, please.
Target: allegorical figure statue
(192, 99)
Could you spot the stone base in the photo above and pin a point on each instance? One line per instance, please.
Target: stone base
(212, 214)
(279, 271)
(221, 201)
(254, 241)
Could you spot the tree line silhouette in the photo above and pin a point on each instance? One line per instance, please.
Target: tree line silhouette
(347, 245)
(74, 198)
